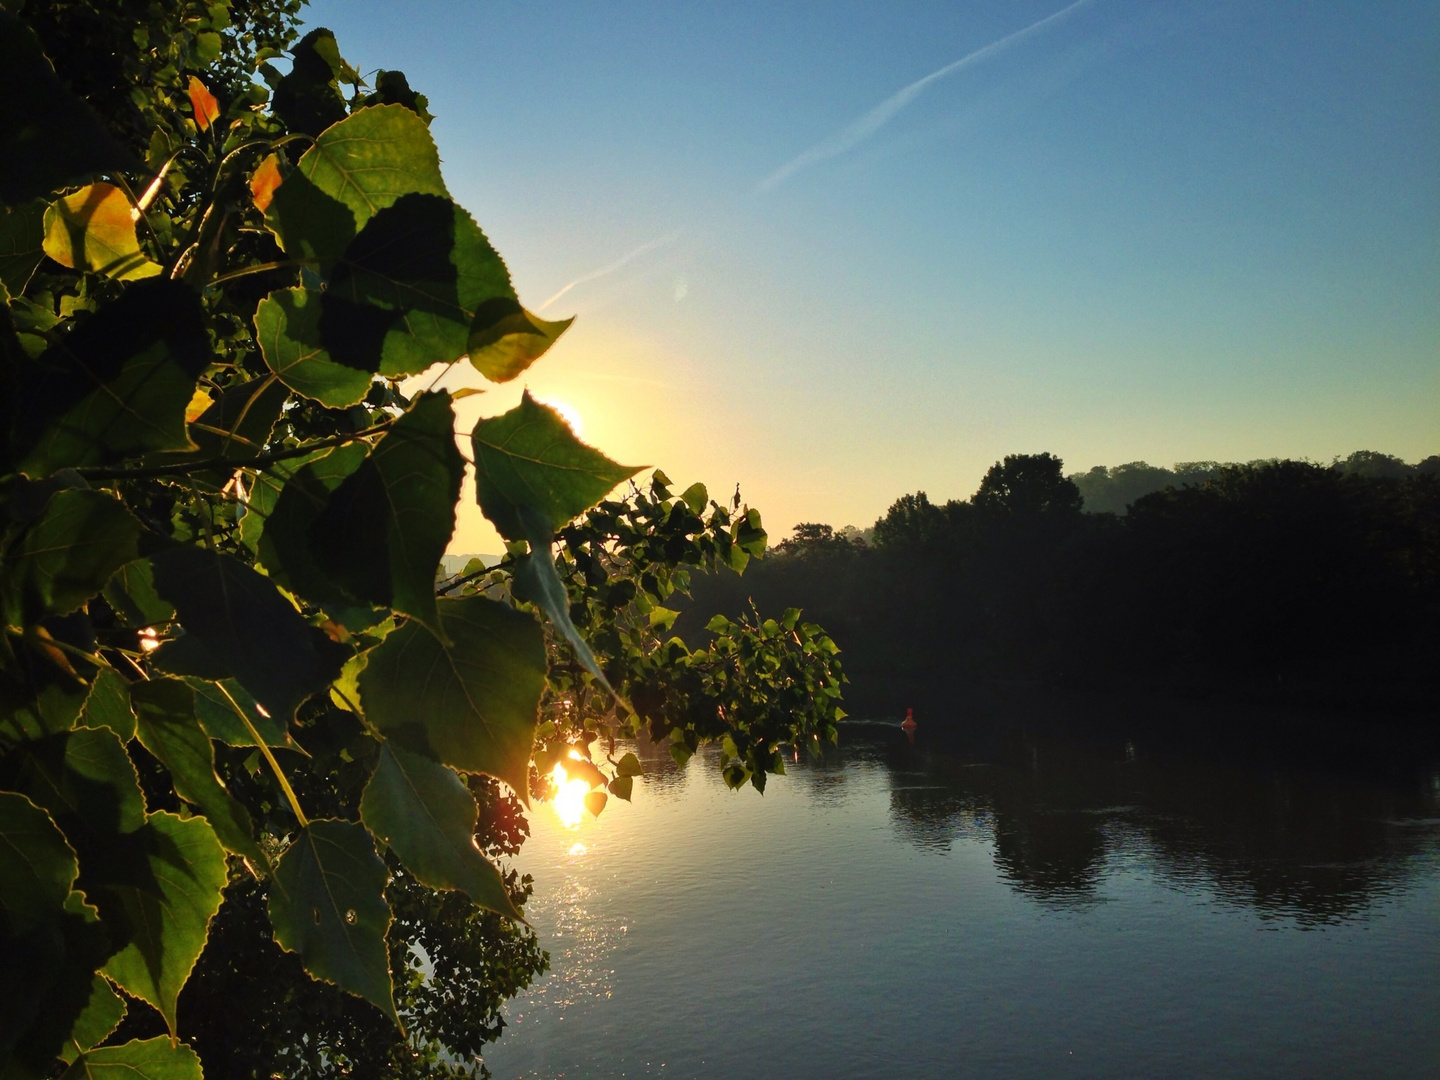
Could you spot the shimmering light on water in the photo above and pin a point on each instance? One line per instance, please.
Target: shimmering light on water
(882, 913)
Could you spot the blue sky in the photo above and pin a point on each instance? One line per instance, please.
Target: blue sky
(1167, 230)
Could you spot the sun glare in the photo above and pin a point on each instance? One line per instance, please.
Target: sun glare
(568, 413)
(569, 797)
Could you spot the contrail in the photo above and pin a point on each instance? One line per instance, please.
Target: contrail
(876, 118)
(668, 238)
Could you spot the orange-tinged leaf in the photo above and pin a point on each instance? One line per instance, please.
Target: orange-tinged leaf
(207, 109)
(199, 402)
(266, 179)
(94, 230)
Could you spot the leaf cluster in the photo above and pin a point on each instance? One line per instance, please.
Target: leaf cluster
(243, 726)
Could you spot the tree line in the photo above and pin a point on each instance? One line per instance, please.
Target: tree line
(1277, 580)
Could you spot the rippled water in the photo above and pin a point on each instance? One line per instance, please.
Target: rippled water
(1035, 908)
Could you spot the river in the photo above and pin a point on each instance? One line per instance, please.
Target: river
(1031, 906)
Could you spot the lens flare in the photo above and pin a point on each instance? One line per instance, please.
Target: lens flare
(569, 797)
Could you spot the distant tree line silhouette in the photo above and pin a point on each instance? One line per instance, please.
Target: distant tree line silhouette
(1276, 580)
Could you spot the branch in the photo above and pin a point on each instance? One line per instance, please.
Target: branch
(182, 468)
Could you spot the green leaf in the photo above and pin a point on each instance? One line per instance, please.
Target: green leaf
(49, 138)
(471, 705)
(630, 766)
(220, 707)
(386, 526)
(92, 230)
(117, 385)
(530, 457)
(505, 338)
(355, 169)
(168, 909)
(427, 815)
(284, 543)
(168, 729)
(108, 705)
(537, 581)
(621, 787)
(102, 1014)
(406, 292)
(287, 326)
(51, 1002)
(37, 867)
(308, 98)
(22, 234)
(327, 903)
(595, 801)
(696, 498)
(239, 615)
(67, 555)
(147, 1059)
(85, 780)
(238, 424)
(131, 592)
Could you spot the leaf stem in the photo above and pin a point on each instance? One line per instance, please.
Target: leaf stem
(269, 757)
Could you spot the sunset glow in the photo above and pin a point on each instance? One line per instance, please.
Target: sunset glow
(569, 797)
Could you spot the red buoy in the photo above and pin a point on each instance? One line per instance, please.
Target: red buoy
(908, 725)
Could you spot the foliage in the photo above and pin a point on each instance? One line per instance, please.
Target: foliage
(1281, 582)
(249, 751)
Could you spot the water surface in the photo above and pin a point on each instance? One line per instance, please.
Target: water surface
(1036, 907)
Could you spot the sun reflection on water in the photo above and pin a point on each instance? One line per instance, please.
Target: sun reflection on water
(569, 797)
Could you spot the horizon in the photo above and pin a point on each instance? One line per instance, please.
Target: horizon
(838, 260)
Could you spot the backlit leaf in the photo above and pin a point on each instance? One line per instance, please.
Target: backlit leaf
(284, 544)
(147, 1059)
(92, 230)
(381, 536)
(67, 554)
(22, 236)
(505, 338)
(108, 705)
(263, 182)
(595, 801)
(427, 815)
(530, 457)
(238, 423)
(220, 706)
(538, 582)
(168, 909)
(203, 104)
(117, 385)
(37, 867)
(287, 326)
(471, 705)
(131, 592)
(407, 290)
(327, 903)
(103, 1011)
(239, 615)
(167, 727)
(355, 169)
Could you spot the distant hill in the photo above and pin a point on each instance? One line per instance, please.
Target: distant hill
(1112, 490)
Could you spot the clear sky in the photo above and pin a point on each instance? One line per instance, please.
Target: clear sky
(837, 252)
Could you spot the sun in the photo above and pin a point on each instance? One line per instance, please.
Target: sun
(569, 413)
(569, 797)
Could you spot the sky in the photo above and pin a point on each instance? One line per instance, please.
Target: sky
(838, 252)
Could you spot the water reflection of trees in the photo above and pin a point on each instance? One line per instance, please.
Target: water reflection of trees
(1311, 845)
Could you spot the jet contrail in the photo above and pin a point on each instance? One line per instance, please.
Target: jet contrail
(876, 118)
(668, 238)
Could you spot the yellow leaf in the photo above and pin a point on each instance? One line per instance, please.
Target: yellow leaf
(94, 230)
(198, 404)
(264, 182)
(207, 109)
